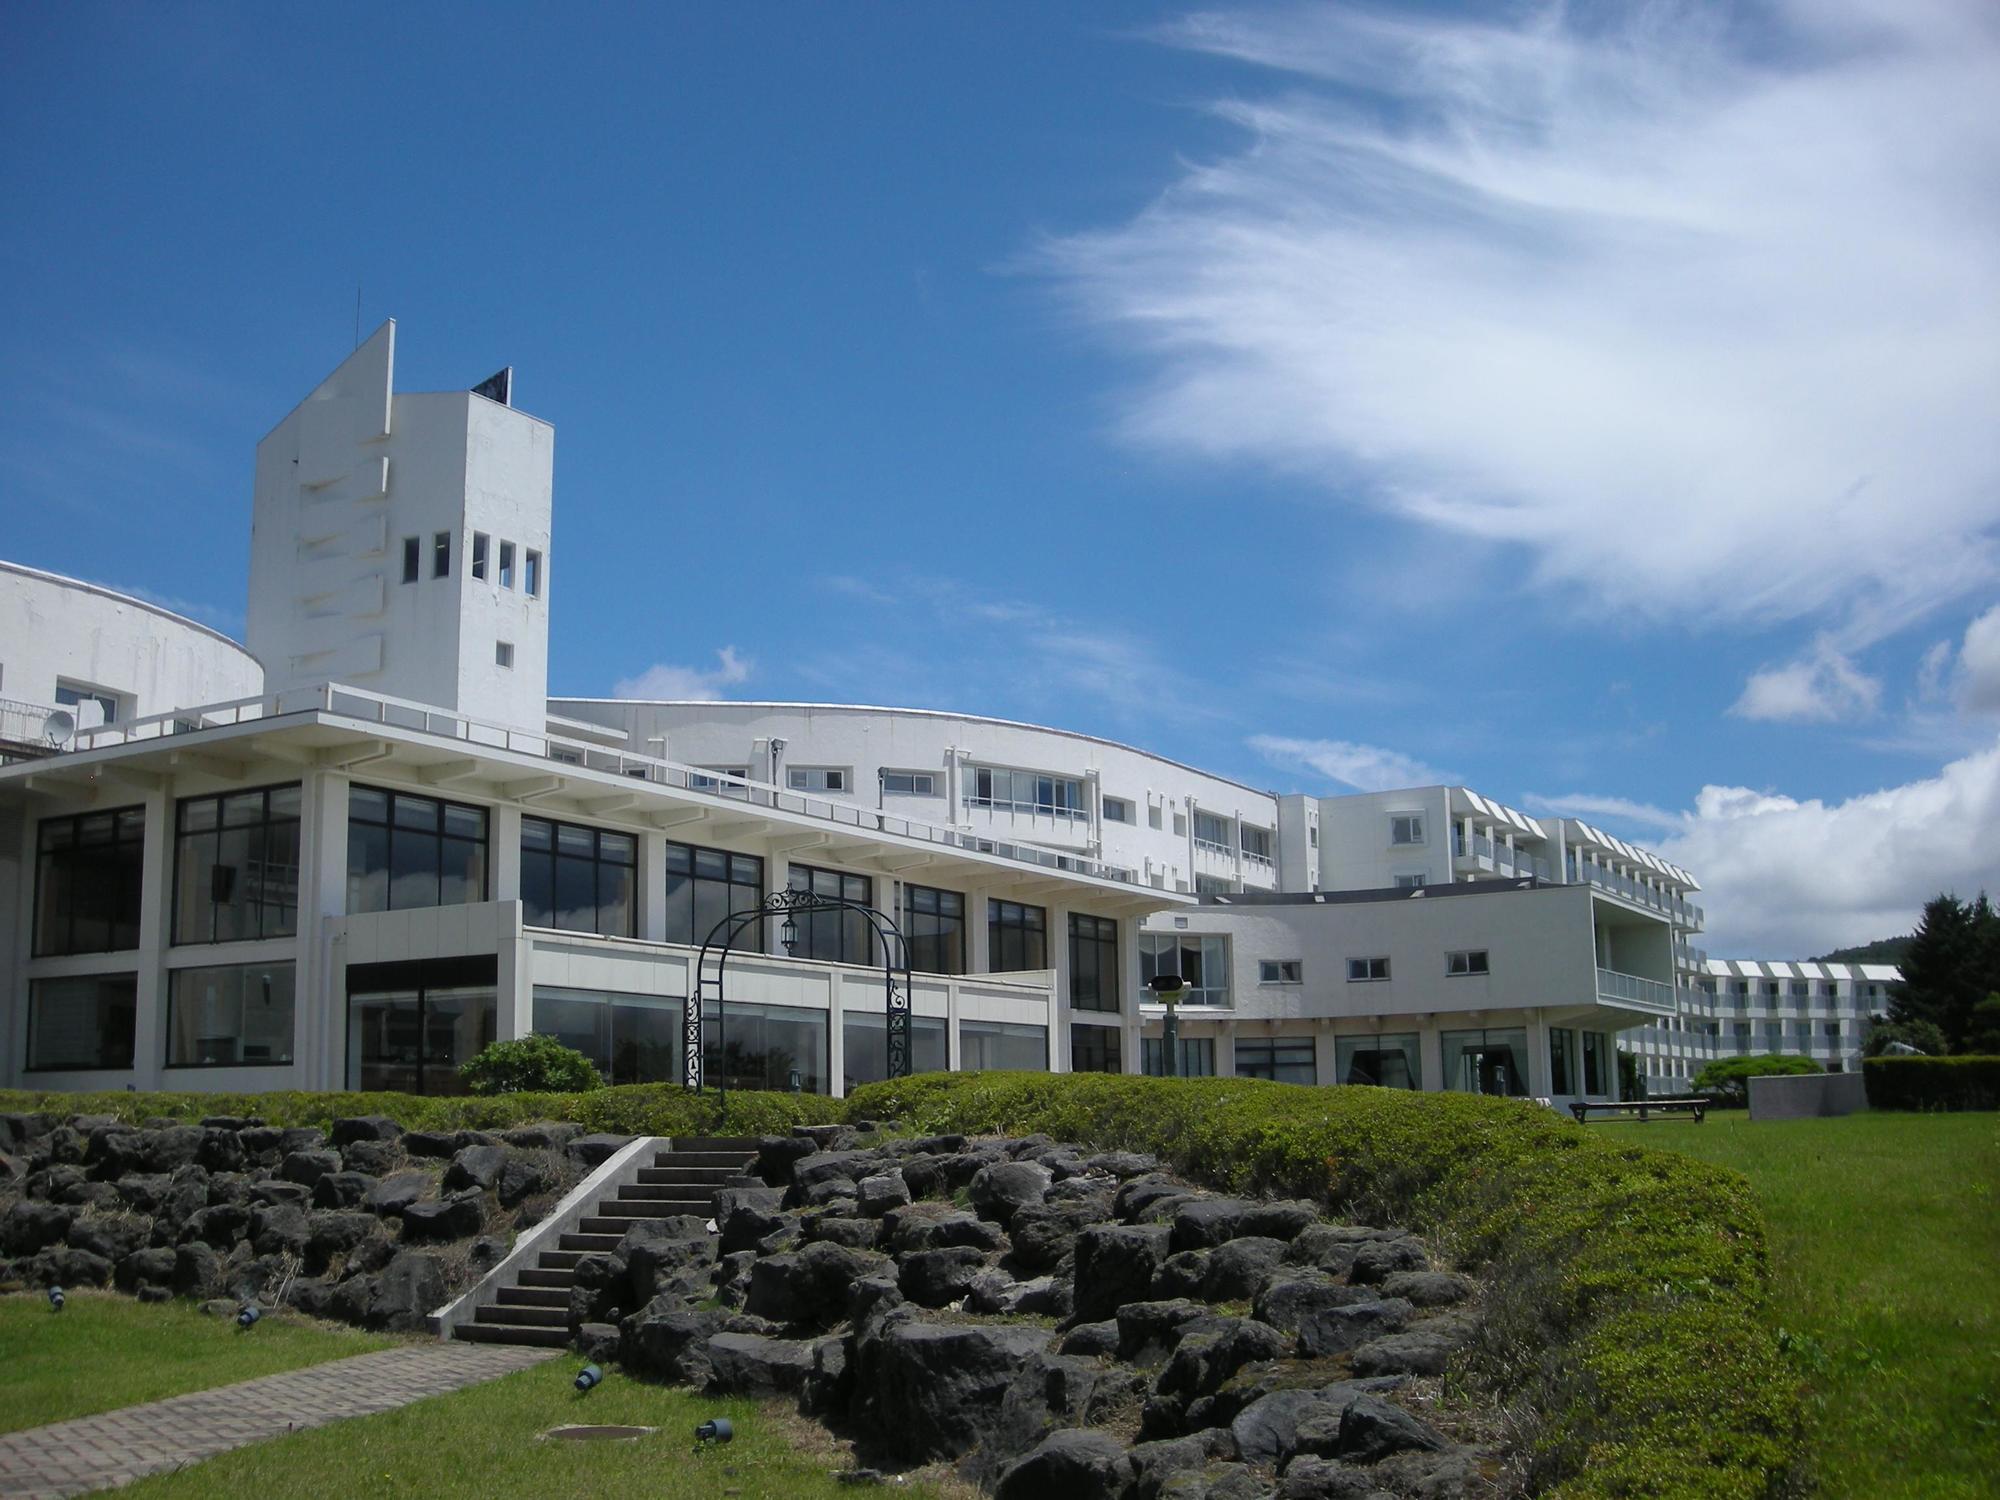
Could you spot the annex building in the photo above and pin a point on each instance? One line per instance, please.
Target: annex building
(352, 850)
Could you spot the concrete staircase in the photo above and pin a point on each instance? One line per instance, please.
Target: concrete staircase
(531, 1303)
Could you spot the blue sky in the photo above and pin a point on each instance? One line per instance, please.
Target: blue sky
(1597, 411)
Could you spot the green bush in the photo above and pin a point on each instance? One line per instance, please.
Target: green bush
(1727, 1079)
(533, 1064)
(1630, 1304)
(1932, 1082)
(1922, 1035)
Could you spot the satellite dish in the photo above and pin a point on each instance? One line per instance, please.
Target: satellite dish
(59, 727)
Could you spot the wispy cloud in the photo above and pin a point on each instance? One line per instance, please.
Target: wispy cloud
(668, 682)
(1817, 689)
(1614, 809)
(1366, 768)
(1697, 309)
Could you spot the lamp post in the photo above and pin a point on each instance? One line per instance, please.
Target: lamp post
(1169, 988)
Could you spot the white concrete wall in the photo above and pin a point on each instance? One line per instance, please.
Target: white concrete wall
(1355, 852)
(149, 659)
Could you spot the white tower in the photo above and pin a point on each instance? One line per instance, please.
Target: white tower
(401, 543)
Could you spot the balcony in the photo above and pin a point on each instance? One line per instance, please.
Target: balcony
(1630, 989)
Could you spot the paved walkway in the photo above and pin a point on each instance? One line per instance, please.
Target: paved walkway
(117, 1447)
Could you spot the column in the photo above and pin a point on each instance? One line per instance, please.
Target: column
(149, 1039)
(321, 979)
(1059, 1006)
(504, 849)
(653, 887)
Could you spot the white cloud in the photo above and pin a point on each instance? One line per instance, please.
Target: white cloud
(1979, 663)
(1366, 768)
(1790, 878)
(1696, 306)
(665, 682)
(1614, 809)
(1816, 689)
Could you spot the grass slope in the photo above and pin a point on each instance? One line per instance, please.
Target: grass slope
(481, 1444)
(1885, 1239)
(103, 1351)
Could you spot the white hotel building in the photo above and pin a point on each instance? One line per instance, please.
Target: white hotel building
(354, 853)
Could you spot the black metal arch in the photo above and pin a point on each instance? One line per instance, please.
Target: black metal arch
(788, 903)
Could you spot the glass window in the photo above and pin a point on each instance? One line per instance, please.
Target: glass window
(1411, 882)
(1596, 1052)
(1197, 1056)
(413, 550)
(706, 885)
(1212, 832)
(410, 1025)
(1280, 971)
(1016, 937)
(1256, 841)
(1363, 970)
(503, 653)
(1093, 962)
(629, 1038)
(89, 874)
(1391, 1062)
(237, 1015)
(1024, 791)
(405, 851)
(77, 694)
(864, 1041)
(1487, 1062)
(1201, 962)
(531, 574)
(934, 929)
(1472, 961)
(763, 1047)
(816, 778)
(909, 783)
(1279, 1059)
(441, 555)
(1406, 828)
(82, 1022)
(836, 934)
(1002, 1046)
(1117, 810)
(578, 879)
(1562, 1061)
(1093, 1049)
(479, 541)
(236, 866)
(506, 565)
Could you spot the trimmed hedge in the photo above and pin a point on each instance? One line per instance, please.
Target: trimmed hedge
(1631, 1309)
(1932, 1082)
(629, 1109)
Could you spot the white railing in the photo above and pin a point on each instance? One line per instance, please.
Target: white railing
(1630, 987)
(401, 713)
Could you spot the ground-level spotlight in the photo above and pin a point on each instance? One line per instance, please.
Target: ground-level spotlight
(587, 1377)
(55, 1299)
(247, 1314)
(715, 1430)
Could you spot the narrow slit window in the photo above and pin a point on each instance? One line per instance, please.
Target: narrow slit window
(531, 574)
(441, 555)
(479, 554)
(412, 558)
(506, 565)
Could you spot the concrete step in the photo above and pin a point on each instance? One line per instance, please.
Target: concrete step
(741, 1145)
(694, 1176)
(553, 1281)
(524, 1317)
(595, 1241)
(529, 1295)
(731, 1160)
(653, 1208)
(560, 1260)
(512, 1333)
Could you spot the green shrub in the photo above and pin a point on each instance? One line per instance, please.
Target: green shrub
(1932, 1082)
(1923, 1035)
(1630, 1304)
(533, 1064)
(1727, 1079)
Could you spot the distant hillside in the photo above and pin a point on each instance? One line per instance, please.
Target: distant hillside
(1881, 951)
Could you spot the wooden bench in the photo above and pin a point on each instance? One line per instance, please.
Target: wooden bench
(1641, 1109)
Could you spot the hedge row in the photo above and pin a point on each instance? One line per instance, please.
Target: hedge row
(629, 1109)
(1632, 1308)
(1932, 1082)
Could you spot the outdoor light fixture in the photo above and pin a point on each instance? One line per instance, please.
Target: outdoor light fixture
(715, 1430)
(587, 1377)
(55, 1299)
(247, 1314)
(789, 934)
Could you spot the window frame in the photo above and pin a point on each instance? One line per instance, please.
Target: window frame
(504, 572)
(1482, 970)
(186, 974)
(1272, 971)
(391, 828)
(531, 572)
(1271, 1066)
(920, 946)
(1411, 823)
(413, 559)
(1367, 966)
(264, 824)
(124, 850)
(692, 857)
(1152, 946)
(35, 991)
(1124, 816)
(801, 779)
(851, 930)
(480, 544)
(1031, 922)
(598, 861)
(441, 554)
(1096, 938)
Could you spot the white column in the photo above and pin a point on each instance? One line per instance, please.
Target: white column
(320, 982)
(1131, 991)
(652, 895)
(1059, 1008)
(504, 849)
(149, 1037)
(836, 1042)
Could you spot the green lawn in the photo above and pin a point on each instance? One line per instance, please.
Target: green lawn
(481, 1444)
(104, 1351)
(1885, 1232)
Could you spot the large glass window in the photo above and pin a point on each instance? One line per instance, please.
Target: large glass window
(629, 1038)
(1487, 1062)
(864, 1041)
(1390, 1062)
(1197, 1056)
(410, 1025)
(1596, 1048)
(1094, 1049)
(578, 879)
(1002, 1046)
(1281, 1059)
(1024, 791)
(1563, 1060)
(706, 885)
(1212, 832)
(235, 1015)
(1093, 962)
(836, 934)
(1016, 937)
(82, 1022)
(236, 866)
(406, 851)
(1256, 841)
(89, 870)
(934, 927)
(1202, 962)
(776, 1047)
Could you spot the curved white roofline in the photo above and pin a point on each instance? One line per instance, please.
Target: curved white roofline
(106, 592)
(926, 713)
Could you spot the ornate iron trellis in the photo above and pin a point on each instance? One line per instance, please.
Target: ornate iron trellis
(788, 904)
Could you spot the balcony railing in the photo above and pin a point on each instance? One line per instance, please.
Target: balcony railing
(401, 713)
(1630, 987)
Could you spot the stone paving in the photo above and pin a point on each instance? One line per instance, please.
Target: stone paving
(117, 1447)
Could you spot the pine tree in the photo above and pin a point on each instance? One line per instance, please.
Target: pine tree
(1953, 963)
